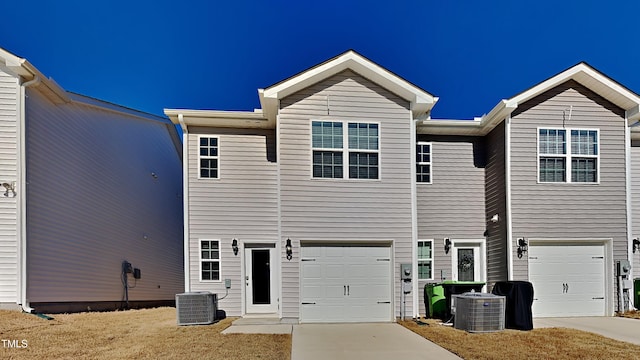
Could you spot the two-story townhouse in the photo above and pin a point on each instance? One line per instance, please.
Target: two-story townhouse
(86, 186)
(312, 204)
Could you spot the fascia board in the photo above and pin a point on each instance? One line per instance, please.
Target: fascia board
(216, 118)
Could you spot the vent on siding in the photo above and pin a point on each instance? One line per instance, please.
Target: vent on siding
(196, 308)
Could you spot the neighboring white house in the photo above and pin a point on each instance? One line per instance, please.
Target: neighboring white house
(311, 204)
(87, 185)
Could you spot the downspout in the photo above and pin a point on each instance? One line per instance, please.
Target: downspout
(507, 170)
(185, 200)
(22, 195)
(627, 165)
(414, 218)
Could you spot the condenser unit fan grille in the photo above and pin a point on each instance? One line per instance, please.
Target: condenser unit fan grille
(479, 312)
(196, 308)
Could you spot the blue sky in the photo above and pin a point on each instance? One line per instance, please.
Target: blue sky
(155, 54)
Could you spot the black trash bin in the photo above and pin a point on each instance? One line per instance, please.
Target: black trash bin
(519, 299)
(453, 287)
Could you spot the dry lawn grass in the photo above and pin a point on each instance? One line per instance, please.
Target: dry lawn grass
(548, 343)
(631, 314)
(134, 334)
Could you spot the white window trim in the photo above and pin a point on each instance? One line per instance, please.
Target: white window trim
(430, 163)
(432, 259)
(345, 150)
(208, 157)
(568, 156)
(200, 260)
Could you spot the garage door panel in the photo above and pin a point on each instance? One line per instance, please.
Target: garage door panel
(568, 279)
(354, 284)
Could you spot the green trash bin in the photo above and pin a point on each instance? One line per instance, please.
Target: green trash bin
(434, 301)
(636, 292)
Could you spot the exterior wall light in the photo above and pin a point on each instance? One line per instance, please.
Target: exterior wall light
(447, 245)
(522, 247)
(636, 245)
(234, 246)
(289, 249)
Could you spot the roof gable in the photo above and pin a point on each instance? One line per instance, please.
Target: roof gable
(420, 101)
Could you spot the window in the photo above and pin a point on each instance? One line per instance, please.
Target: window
(568, 155)
(425, 259)
(330, 157)
(208, 157)
(423, 162)
(210, 260)
(363, 163)
(327, 140)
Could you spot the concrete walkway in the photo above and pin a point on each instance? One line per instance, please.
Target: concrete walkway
(618, 328)
(362, 341)
(259, 326)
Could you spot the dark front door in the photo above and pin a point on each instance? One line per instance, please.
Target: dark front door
(261, 275)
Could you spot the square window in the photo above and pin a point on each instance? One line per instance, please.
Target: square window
(568, 155)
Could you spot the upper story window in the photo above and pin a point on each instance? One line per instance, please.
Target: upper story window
(208, 157)
(423, 162)
(210, 260)
(568, 155)
(330, 156)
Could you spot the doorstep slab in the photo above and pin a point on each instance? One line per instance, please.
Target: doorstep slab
(259, 329)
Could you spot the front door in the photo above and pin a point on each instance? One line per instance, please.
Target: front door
(260, 280)
(468, 261)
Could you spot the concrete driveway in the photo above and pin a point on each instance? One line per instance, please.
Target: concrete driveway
(618, 328)
(362, 341)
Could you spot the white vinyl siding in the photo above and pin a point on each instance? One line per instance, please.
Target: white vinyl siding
(209, 260)
(242, 204)
(423, 162)
(331, 159)
(425, 259)
(339, 211)
(568, 155)
(9, 90)
(581, 210)
(208, 157)
(78, 236)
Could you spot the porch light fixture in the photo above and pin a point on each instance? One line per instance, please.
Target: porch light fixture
(447, 245)
(289, 249)
(234, 246)
(636, 245)
(522, 247)
(495, 218)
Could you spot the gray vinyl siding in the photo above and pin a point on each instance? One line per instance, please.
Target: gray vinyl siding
(344, 210)
(9, 90)
(453, 205)
(92, 202)
(635, 203)
(241, 204)
(496, 203)
(568, 211)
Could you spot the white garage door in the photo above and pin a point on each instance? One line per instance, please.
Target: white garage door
(568, 280)
(345, 284)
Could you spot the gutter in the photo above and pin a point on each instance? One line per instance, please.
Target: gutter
(22, 195)
(185, 200)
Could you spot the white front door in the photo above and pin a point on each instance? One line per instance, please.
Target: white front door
(468, 261)
(260, 280)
